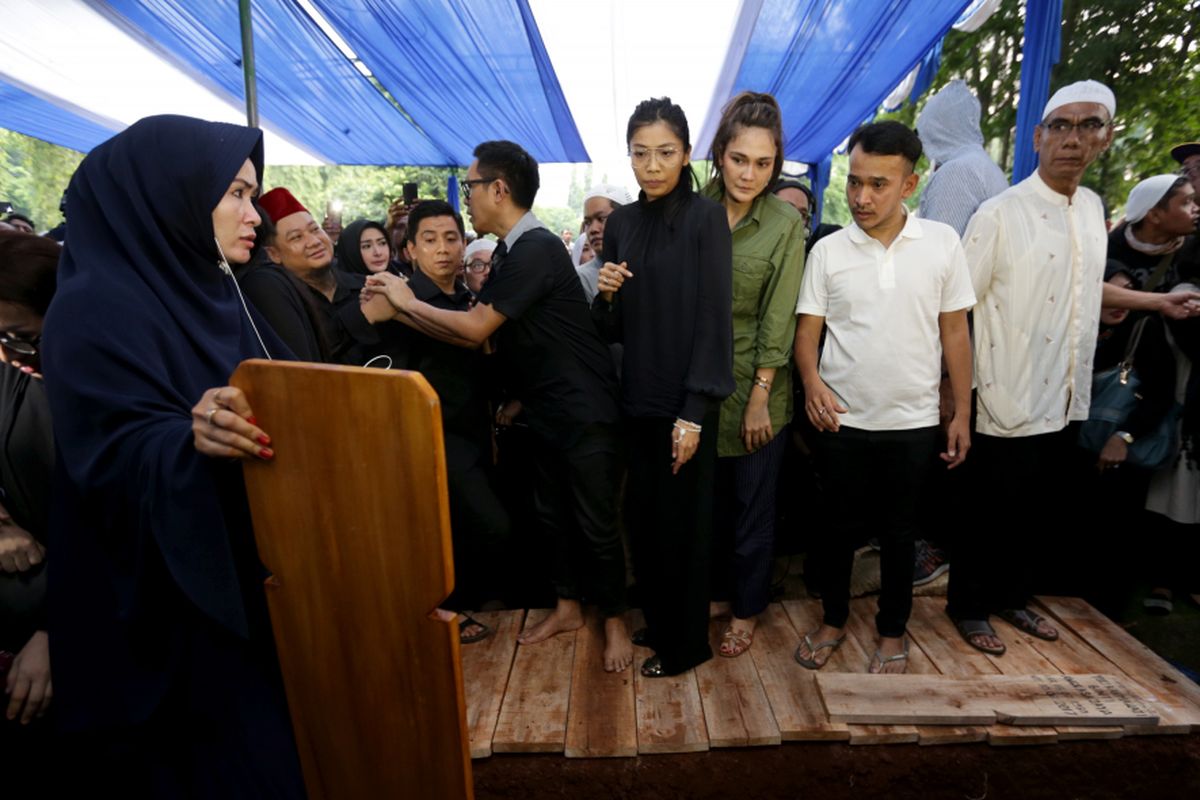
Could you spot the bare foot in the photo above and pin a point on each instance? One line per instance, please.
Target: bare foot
(618, 648)
(566, 616)
(889, 646)
(716, 609)
(825, 633)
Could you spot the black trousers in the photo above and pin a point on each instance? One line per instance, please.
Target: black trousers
(670, 533)
(1023, 486)
(871, 476)
(745, 538)
(479, 525)
(575, 494)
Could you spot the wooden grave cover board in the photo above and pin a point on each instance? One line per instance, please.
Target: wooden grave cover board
(351, 519)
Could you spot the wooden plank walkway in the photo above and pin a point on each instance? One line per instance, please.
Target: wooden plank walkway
(556, 697)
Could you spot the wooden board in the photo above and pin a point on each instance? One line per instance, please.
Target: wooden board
(1022, 658)
(1168, 686)
(601, 719)
(486, 666)
(736, 710)
(953, 657)
(533, 716)
(850, 657)
(1057, 699)
(790, 688)
(373, 681)
(670, 716)
(862, 625)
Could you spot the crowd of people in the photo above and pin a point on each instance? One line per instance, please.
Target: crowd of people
(618, 405)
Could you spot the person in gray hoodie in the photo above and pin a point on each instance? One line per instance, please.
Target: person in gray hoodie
(964, 174)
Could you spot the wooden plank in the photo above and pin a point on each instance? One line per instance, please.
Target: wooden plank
(486, 666)
(1167, 685)
(862, 625)
(670, 716)
(533, 716)
(736, 710)
(601, 718)
(850, 657)
(1073, 656)
(1014, 699)
(1022, 658)
(790, 688)
(952, 656)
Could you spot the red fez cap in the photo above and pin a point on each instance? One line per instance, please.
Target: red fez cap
(280, 203)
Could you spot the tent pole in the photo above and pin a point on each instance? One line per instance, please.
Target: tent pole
(248, 64)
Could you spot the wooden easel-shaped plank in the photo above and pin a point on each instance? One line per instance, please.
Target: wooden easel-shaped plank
(790, 688)
(374, 683)
(862, 613)
(736, 710)
(1022, 658)
(850, 657)
(1170, 688)
(670, 716)
(486, 666)
(1073, 656)
(953, 657)
(601, 719)
(533, 716)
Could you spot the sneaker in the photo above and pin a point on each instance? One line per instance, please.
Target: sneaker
(929, 564)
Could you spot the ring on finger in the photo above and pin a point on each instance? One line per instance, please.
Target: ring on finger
(208, 417)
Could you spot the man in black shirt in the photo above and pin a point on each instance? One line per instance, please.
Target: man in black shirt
(562, 372)
(1156, 242)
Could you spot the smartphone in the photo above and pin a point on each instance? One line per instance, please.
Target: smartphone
(410, 194)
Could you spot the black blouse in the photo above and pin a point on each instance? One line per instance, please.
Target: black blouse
(675, 315)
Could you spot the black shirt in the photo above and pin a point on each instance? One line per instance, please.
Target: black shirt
(352, 340)
(675, 315)
(278, 296)
(1184, 262)
(552, 355)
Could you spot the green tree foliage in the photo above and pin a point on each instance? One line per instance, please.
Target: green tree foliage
(365, 192)
(33, 175)
(558, 219)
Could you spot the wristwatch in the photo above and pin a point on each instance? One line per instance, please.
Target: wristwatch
(1125, 437)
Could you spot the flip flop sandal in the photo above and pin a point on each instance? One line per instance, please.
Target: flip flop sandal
(969, 628)
(879, 658)
(734, 643)
(1159, 604)
(811, 662)
(466, 621)
(1025, 620)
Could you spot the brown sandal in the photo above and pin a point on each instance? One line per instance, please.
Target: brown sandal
(734, 643)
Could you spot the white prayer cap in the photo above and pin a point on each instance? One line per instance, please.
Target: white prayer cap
(617, 194)
(479, 246)
(1146, 195)
(1083, 92)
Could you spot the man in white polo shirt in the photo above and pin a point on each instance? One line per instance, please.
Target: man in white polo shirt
(892, 293)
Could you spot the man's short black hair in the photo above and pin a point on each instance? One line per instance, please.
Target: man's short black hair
(427, 209)
(22, 217)
(888, 138)
(508, 160)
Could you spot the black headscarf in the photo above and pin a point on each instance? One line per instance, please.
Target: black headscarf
(348, 249)
(143, 323)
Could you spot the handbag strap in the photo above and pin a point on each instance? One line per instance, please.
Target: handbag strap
(1160, 272)
(1135, 338)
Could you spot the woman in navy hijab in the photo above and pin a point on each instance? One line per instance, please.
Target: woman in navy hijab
(164, 658)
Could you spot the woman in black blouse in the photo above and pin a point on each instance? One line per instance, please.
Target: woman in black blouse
(666, 295)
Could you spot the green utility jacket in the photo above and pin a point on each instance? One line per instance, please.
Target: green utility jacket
(768, 263)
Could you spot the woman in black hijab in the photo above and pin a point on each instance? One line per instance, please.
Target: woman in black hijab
(363, 249)
(158, 626)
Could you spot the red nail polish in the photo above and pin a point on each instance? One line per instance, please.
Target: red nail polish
(264, 439)
(252, 420)
(266, 453)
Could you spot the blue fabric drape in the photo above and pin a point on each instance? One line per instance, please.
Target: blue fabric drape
(466, 72)
(930, 65)
(452, 192)
(822, 171)
(1039, 53)
(29, 114)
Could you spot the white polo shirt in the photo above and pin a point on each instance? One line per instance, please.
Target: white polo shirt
(1037, 264)
(883, 347)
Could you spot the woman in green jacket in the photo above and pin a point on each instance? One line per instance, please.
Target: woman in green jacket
(768, 261)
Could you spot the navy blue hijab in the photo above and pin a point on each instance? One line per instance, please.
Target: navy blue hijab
(142, 324)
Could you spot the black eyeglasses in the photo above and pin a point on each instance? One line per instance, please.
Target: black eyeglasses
(1092, 126)
(21, 345)
(467, 184)
(478, 265)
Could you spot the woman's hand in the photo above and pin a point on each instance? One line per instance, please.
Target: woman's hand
(224, 426)
(756, 428)
(1114, 453)
(508, 412)
(823, 407)
(19, 551)
(685, 438)
(393, 287)
(28, 686)
(611, 278)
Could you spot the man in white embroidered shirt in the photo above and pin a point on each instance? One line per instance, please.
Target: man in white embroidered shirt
(1036, 253)
(892, 291)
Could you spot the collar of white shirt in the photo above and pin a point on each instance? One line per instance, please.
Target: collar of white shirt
(911, 230)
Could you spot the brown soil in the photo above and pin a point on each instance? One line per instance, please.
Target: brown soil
(1138, 768)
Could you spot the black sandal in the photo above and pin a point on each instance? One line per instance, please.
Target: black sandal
(968, 628)
(1025, 620)
(465, 621)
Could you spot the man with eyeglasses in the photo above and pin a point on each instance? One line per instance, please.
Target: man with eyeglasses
(477, 264)
(1188, 156)
(599, 201)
